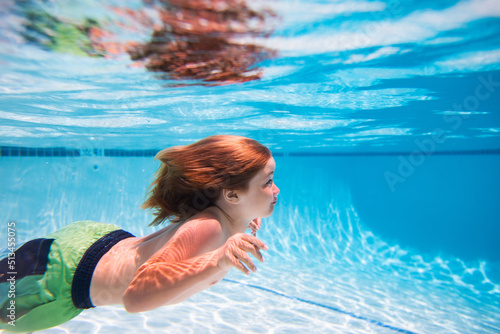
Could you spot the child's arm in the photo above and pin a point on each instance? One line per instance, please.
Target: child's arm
(173, 274)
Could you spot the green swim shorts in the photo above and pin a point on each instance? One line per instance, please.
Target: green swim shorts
(46, 282)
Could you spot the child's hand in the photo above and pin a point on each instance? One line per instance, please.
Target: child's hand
(234, 253)
(254, 226)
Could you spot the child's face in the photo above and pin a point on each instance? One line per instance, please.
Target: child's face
(261, 196)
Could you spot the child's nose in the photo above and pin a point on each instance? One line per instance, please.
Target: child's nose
(276, 190)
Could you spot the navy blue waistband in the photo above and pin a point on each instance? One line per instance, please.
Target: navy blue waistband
(80, 288)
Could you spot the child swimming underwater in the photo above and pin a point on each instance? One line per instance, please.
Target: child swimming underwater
(212, 191)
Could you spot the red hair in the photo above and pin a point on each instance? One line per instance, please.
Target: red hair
(191, 177)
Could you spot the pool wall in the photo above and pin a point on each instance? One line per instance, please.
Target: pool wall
(434, 203)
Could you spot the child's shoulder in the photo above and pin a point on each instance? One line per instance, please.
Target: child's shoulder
(205, 220)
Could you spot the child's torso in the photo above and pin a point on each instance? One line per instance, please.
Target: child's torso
(117, 267)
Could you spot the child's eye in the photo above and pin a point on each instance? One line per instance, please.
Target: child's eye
(270, 181)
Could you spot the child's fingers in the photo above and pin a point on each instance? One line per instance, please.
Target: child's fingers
(257, 222)
(242, 261)
(252, 250)
(237, 248)
(239, 265)
(256, 242)
(253, 246)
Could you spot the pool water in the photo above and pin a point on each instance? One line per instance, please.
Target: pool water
(384, 121)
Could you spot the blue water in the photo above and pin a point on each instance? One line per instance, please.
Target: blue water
(384, 120)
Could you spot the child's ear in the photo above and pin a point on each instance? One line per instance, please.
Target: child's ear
(231, 196)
